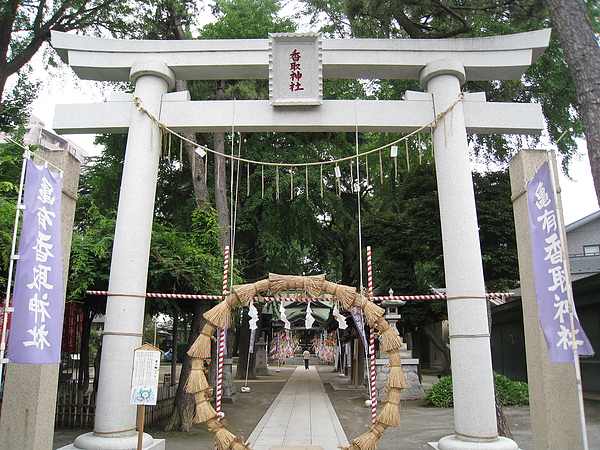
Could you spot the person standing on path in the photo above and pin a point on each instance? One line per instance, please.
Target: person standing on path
(306, 356)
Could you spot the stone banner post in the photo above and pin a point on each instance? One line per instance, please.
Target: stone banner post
(555, 416)
(30, 390)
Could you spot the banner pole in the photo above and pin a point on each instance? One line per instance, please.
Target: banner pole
(221, 342)
(571, 306)
(11, 265)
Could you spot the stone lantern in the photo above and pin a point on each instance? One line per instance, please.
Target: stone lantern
(392, 311)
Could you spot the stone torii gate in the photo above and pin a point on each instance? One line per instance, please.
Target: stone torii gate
(442, 66)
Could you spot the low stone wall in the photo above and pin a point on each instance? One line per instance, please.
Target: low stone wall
(413, 391)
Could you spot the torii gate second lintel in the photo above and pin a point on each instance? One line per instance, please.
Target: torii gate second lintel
(181, 115)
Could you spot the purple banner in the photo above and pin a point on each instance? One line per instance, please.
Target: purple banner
(36, 331)
(359, 321)
(552, 284)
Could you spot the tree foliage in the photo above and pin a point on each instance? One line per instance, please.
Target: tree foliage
(547, 81)
(11, 162)
(25, 26)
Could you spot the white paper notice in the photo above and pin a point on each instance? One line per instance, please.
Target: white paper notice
(144, 382)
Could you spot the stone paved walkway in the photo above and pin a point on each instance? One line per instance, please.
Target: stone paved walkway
(302, 414)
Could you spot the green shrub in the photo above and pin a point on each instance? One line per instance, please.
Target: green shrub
(440, 394)
(510, 392)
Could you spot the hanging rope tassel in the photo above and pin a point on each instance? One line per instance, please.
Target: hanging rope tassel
(180, 155)
(291, 184)
(407, 157)
(169, 146)
(321, 179)
(205, 168)
(277, 183)
(306, 176)
(380, 167)
(247, 179)
(431, 134)
(262, 181)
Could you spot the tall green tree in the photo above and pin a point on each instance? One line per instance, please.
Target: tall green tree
(11, 159)
(25, 26)
(576, 24)
(497, 231)
(405, 234)
(547, 81)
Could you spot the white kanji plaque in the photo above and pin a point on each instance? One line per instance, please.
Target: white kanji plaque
(295, 69)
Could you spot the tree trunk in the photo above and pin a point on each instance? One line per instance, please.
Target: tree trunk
(174, 343)
(221, 178)
(184, 407)
(195, 160)
(571, 22)
(245, 365)
(439, 343)
(83, 376)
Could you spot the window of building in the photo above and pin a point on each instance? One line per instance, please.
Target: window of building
(591, 250)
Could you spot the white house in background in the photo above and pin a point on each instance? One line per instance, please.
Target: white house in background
(583, 240)
(36, 133)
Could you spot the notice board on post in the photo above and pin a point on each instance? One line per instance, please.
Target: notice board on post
(144, 380)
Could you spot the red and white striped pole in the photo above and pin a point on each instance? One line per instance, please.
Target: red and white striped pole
(373, 376)
(219, 393)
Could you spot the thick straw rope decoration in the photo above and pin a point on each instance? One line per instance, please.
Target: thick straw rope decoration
(219, 317)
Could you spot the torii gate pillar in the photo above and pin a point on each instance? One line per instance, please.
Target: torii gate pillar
(472, 374)
(129, 268)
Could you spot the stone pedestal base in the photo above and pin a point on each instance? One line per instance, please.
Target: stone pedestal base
(453, 443)
(91, 441)
(228, 385)
(414, 390)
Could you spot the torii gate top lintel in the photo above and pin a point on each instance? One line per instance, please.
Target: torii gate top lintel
(483, 58)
